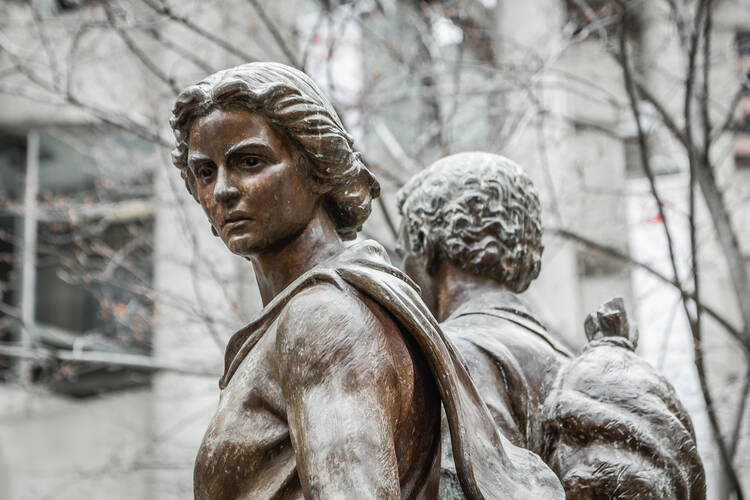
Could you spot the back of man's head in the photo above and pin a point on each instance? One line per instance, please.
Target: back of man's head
(479, 211)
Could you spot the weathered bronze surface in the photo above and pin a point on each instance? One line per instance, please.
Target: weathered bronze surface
(335, 390)
(605, 421)
(614, 426)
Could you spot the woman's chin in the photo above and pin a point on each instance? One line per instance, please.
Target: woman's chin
(242, 245)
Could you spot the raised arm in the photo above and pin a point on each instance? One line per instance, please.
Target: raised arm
(342, 395)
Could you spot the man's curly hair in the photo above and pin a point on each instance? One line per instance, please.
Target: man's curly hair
(481, 212)
(291, 101)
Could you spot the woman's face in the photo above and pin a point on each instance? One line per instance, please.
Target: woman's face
(249, 181)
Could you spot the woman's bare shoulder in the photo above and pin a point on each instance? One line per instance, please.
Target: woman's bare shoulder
(328, 326)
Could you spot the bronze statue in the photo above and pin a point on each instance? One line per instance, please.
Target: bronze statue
(335, 390)
(472, 236)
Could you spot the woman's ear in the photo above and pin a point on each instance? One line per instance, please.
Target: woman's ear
(304, 164)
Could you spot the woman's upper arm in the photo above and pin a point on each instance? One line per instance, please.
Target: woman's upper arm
(341, 392)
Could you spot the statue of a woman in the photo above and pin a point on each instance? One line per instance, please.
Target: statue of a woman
(335, 390)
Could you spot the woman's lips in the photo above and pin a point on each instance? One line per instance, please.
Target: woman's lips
(235, 224)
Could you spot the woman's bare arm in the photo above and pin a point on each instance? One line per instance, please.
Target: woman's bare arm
(341, 390)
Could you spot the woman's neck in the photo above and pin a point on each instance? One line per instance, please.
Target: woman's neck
(278, 267)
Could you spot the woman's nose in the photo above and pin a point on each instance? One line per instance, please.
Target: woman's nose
(225, 191)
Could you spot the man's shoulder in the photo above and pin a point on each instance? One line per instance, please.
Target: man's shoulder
(487, 323)
(503, 317)
(503, 337)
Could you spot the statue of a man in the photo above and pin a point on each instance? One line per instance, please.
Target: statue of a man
(472, 236)
(335, 390)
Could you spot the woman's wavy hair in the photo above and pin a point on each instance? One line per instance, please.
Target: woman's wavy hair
(481, 212)
(291, 101)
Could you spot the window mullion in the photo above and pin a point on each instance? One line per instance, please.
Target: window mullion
(28, 259)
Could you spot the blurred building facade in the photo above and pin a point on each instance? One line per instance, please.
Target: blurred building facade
(91, 171)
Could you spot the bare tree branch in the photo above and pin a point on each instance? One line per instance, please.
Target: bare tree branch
(726, 123)
(181, 51)
(137, 52)
(51, 59)
(739, 419)
(166, 11)
(617, 254)
(705, 96)
(273, 29)
(644, 149)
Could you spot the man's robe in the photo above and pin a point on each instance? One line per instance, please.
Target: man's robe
(513, 361)
(605, 421)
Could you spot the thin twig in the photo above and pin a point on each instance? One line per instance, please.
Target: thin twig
(726, 123)
(275, 33)
(705, 117)
(136, 51)
(178, 49)
(740, 417)
(51, 58)
(113, 118)
(617, 254)
(643, 145)
(311, 38)
(166, 11)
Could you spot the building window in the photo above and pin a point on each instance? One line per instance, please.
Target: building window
(593, 263)
(79, 220)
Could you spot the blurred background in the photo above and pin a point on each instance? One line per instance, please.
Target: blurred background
(631, 116)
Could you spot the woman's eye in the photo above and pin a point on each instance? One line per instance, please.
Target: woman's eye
(250, 161)
(205, 172)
